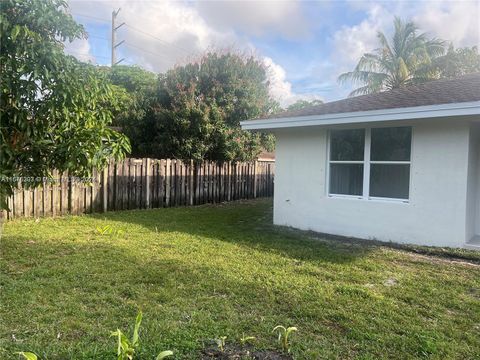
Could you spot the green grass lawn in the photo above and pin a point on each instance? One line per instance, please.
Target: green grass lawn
(202, 272)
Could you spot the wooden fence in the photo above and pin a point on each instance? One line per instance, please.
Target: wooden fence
(143, 184)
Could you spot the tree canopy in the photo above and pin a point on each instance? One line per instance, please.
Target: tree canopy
(196, 110)
(458, 62)
(300, 104)
(404, 59)
(55, 112)
(135, 117)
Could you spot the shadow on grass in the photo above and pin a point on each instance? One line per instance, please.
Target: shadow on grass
(82, 286)
(250, 223)
(246, 223)
(84, 291)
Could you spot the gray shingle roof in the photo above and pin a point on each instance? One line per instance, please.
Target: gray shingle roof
(462, 89)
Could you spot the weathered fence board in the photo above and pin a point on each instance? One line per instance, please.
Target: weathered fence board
(144, 183)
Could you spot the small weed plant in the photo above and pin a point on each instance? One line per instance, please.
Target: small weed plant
(283, 336)
(126, 348)
(109, 230)
(221, 343)
(247, 339)
(27, 355)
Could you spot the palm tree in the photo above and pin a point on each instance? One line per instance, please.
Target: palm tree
(406, 60)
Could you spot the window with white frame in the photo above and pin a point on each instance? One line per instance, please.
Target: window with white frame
(370, 163)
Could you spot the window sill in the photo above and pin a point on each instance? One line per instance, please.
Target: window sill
(370, 199)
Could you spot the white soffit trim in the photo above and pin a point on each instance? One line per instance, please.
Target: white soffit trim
(407, 113)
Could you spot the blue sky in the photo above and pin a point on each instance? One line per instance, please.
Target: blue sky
(305, 44)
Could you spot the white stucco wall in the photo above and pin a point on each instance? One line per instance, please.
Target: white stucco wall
(474, 191)
(435, 215)
(472, 220)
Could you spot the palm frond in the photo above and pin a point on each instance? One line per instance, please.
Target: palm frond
(364, 90)
(362, 77)
(406, 58)
(374, 82)
(369, 62)
(436, 47)
(403, 72)
(385, 46)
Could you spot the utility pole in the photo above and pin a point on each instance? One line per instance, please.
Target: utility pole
(114, 41)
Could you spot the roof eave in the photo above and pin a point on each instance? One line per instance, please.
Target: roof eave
(407, 113)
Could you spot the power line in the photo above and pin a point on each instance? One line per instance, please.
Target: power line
(188, 52)
(91, 17)
(143, 19)
(97, 56)
(146, 51)
(128, 62)
(137, 30)
(114, 45)
(97, 37)
(87, 54)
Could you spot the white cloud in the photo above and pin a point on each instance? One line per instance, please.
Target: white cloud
(80, 48)
(456, 21)
(179, 31)
(280, 88)
(176, 30)
(351, 42)
(256, 17)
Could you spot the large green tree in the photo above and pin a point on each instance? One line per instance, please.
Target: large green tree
(54, 111)
(134, 119)
(199, 106)
(458, 62)
(407, 58)
(301, 104)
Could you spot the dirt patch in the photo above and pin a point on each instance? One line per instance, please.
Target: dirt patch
(445, 260)
(431, 253)
(474, 293)
(390, 282)
(233, 352)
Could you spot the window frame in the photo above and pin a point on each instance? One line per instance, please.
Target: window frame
(366, 167)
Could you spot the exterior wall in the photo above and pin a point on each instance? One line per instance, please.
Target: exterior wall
(472, 221)
(436, 213)
(474, 192)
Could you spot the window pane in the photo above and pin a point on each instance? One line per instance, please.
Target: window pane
(391, 144)
(389, 180)
(347, 145)
(346, 179)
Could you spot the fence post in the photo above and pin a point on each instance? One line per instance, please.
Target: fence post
(191, 182)
(147, 182)
(104, 186)
(71, 194)
(168, 174)
(255, 170)
(229, 180)
(161, 183)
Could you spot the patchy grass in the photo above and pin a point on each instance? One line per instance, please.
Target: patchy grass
(203, 272)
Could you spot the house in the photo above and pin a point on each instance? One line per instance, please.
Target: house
(401, 165)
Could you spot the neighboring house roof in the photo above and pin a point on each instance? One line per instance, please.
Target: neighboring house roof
(450, 95)
(266, 156)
